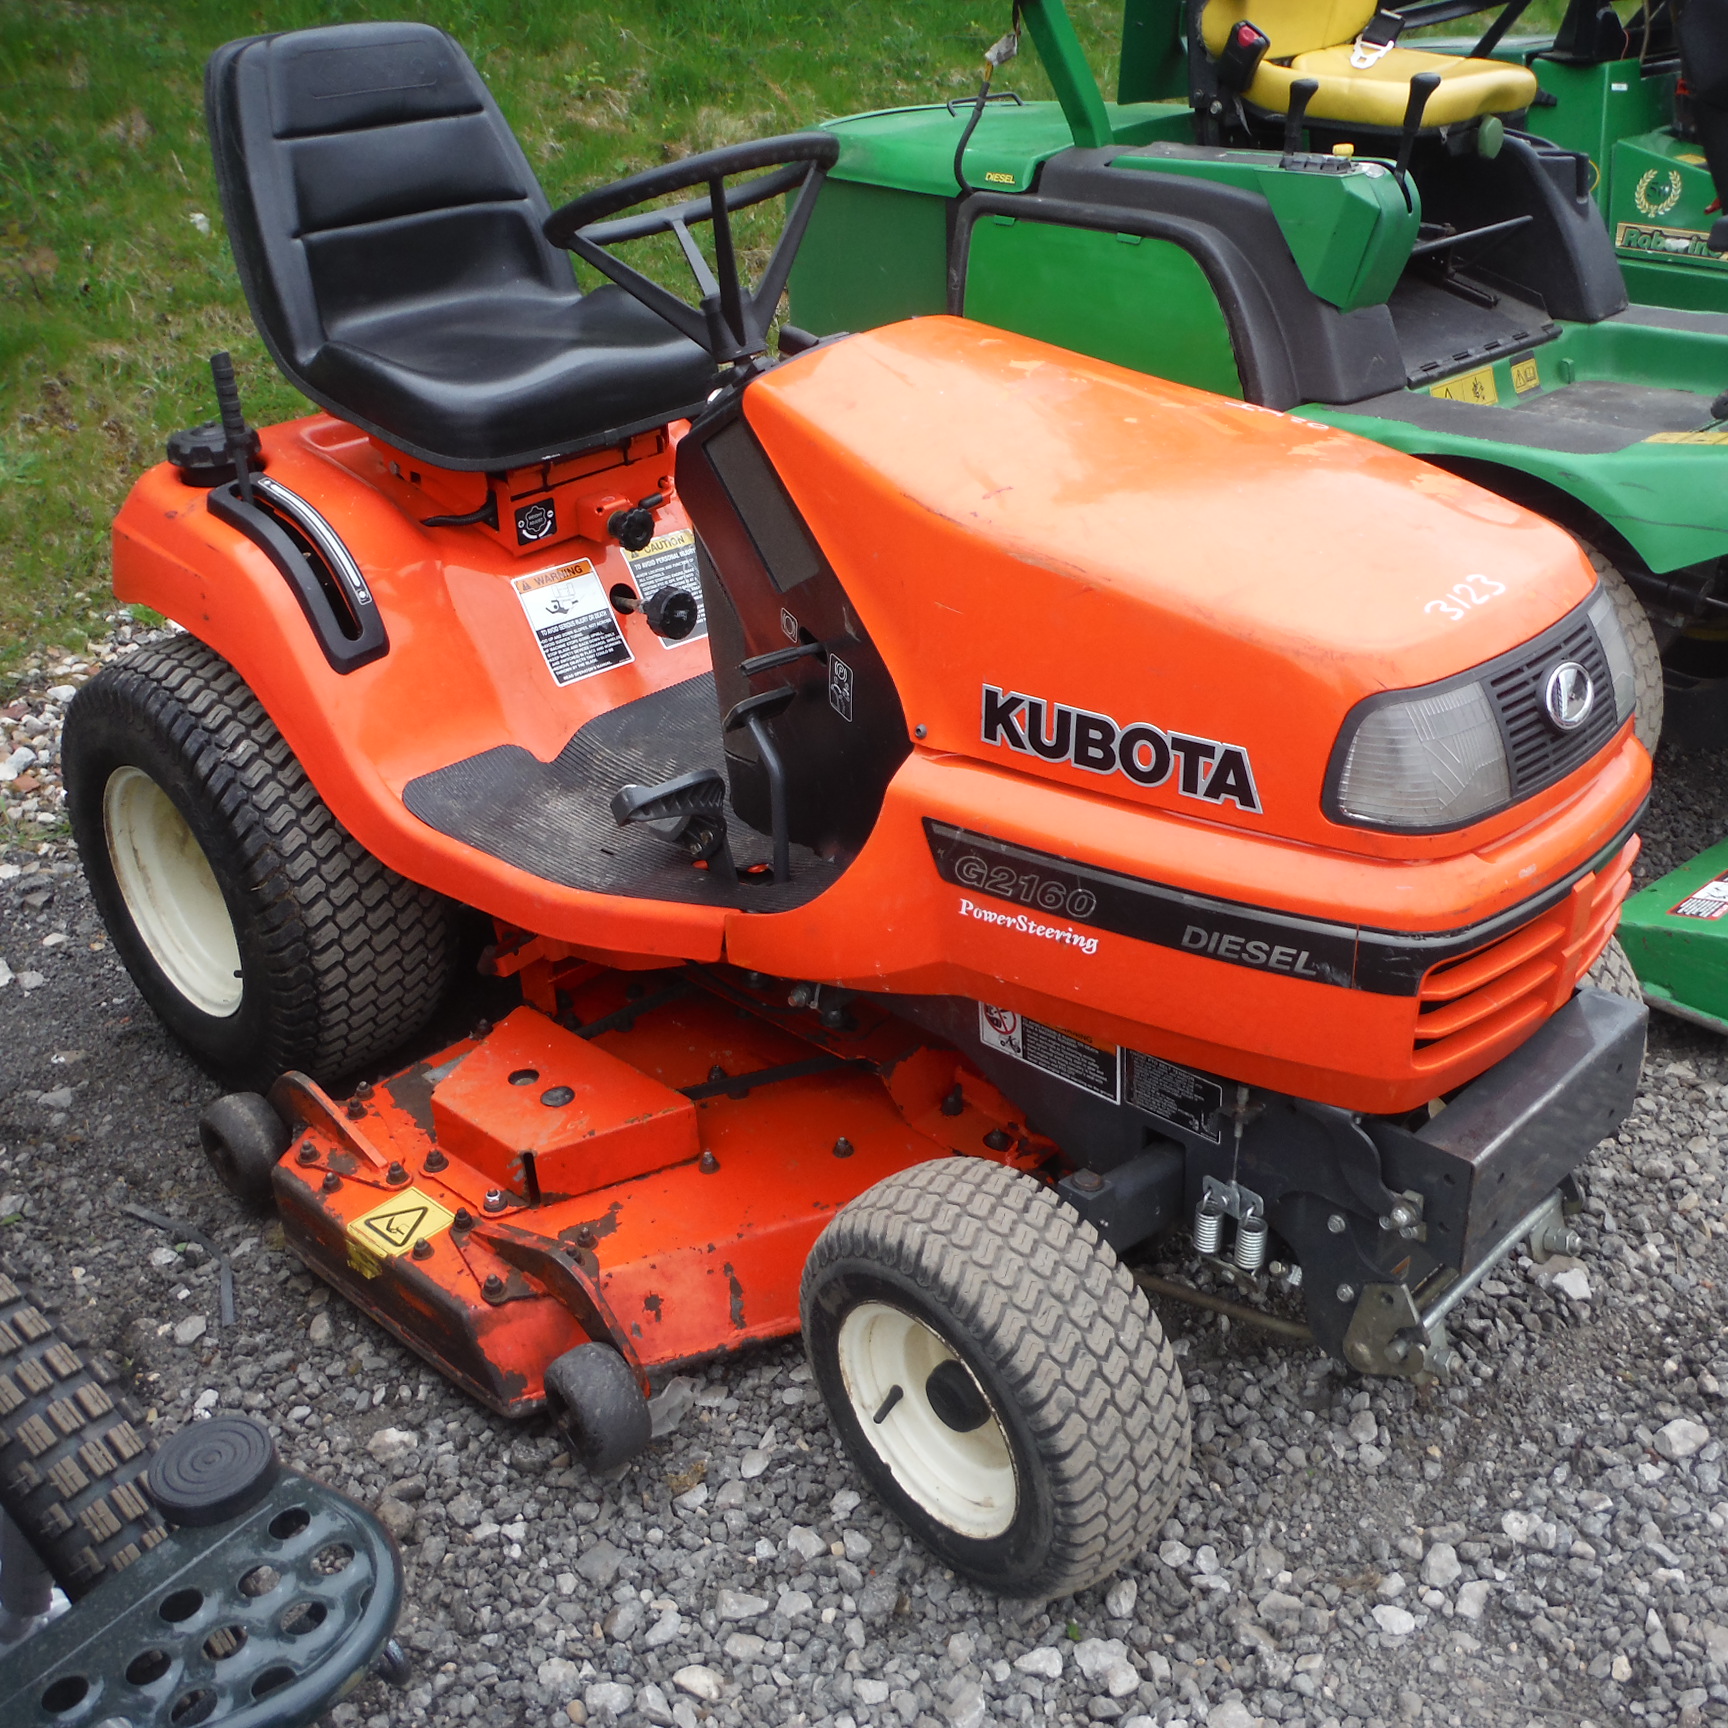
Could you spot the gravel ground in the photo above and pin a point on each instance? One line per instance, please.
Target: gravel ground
(1540, 1541)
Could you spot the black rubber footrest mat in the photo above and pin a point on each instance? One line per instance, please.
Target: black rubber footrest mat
(554, 819)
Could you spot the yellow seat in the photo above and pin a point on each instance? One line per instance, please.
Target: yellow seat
(1315, 39)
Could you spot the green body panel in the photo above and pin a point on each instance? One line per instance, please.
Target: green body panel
(872, 255)
(1022, 278)
(1052, 32)
(1154, 64)
(1350, 234)
(912, 149)
(1682, 960)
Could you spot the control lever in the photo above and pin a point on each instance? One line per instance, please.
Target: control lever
(1302, 92)
(689, 810)
(1422, 86)
(750, 714)
(235, 431)
(1242, 55)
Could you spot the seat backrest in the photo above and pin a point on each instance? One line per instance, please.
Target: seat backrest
(1293, 26)
(364, 167)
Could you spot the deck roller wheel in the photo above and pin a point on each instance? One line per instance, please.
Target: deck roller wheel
(996, 1376)
(213, 1471)
(592, 1393)
(244, 1139)
(262, 934)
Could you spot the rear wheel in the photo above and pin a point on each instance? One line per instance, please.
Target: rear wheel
(996, 1376)
(263, 935)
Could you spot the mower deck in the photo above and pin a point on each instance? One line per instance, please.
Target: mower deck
(650, 1168)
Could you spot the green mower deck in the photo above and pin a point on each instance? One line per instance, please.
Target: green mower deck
(1675, 932)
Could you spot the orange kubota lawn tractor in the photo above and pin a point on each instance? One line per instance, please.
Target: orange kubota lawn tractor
(953, 811)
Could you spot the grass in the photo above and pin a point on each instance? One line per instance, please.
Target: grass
(115, 278)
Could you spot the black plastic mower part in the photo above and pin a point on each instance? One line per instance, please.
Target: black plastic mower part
(1302, 92)
(213, 1471)
(1133, 1201)
(593, 1394)
(690, 811)
(200, 455)
(1422, 87)
(672, 613)
(752, 714)
(318, 568)
(244, 1139)
(486, 516)
(1242, 55)
(263, 1622)
(633, 527)
(236, 434)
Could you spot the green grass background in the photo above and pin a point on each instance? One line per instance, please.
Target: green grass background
(112, 293)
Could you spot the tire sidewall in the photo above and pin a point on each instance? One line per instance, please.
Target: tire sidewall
(97, 741)
(1009, 1563)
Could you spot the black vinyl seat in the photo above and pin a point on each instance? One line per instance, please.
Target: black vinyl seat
(386, 227)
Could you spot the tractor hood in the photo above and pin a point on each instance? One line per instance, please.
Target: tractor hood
(1069, 567)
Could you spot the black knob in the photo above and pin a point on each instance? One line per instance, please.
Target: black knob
(632, 528)
(672, 613)
(213, 1471)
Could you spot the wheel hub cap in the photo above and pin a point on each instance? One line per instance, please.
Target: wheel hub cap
(171, 892)
(928, 1419)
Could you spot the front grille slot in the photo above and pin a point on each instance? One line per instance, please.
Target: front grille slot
(1538, 753)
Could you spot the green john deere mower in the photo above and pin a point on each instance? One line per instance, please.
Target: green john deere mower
(1384, 248)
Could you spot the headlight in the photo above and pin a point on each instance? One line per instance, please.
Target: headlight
(1423, 761)
(1606, 623)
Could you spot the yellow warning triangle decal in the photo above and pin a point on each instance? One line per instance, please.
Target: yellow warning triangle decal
(398, 1228)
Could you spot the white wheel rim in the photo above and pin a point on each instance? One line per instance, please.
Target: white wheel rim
(964, 1480)
(171, 893)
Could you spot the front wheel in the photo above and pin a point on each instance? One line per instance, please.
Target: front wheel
(1634, 621)
(263, 935)
(996, 1376)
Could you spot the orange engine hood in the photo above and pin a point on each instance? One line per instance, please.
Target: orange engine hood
(1006, 514)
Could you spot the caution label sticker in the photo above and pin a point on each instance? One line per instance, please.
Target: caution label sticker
(1175, 1095)
(670, 562)
(1093, 1068)
(393, 1227)
(1525, 376)
(573, 621)
(1708, 901)
(1477, 386)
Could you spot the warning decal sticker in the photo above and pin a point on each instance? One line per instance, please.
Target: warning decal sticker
(670, 562)
(573, 621)
(1477, 386)
(393, 1227)
(1175, 1095)
(1707, 901)
(1058, 1053)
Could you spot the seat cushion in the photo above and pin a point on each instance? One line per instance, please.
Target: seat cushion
(1378, 95)
(1292, 26)
(467, 378)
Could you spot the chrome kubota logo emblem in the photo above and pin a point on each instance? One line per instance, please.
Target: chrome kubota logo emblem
(1569, 696)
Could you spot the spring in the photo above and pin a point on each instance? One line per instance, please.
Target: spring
(1208, 1225)
(1251, 1236)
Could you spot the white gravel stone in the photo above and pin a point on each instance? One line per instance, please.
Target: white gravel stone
(607, 1700)
(1175, 1554)
(651, 1703)
(1395, 1621)
(700, 1682)
(1472, 1599)
(804, 1542)
(1681, 1439)
(739, 1605)
(665, 1630)
(1363, 1428)
(753, 1463)
(1120, 1598)
(1574, 1283)
(1232, 1713)
(392, 1445)
(1441, 1568)
(1045, 1661)
(191, 1329)
(869, 1691)
(1095, 1655)
(744, 1646)
(1520, 1526)
(559, 1676)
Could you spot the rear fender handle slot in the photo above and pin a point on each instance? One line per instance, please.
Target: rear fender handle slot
(348, 627)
